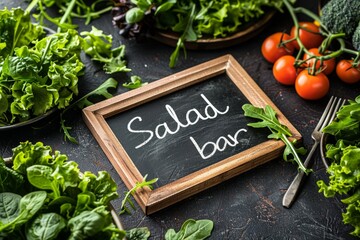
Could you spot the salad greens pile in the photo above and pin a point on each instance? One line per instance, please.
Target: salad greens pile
(344, 154)
(269, 120)
(45, 196)
(37, 72)
(191, 19)
(40, 71)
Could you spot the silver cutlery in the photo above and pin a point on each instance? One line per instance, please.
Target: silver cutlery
(328, 115)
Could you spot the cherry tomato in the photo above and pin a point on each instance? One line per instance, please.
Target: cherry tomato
(327, 67)
(346, 72)
(284, 70)
(311, 87)
(309, 35)
(271, 49)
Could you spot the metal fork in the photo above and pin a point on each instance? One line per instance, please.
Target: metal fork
(328, 115)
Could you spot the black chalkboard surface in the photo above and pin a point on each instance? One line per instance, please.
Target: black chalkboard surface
(169, 154)
(188, 130)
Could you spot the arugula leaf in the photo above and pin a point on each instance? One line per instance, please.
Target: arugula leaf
(278, 131)
(84, 101)
(186, 26)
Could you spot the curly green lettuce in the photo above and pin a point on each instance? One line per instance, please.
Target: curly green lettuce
(344, 154)
(37, 72)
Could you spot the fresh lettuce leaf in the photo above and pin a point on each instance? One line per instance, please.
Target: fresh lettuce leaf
(344, 155)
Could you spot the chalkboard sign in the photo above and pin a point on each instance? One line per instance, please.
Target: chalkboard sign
(188, 130)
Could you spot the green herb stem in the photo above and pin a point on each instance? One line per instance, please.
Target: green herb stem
(293, 151)
(32, 5)
(67, 13)
(91, 14)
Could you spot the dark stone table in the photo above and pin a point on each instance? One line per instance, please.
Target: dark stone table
(245, 207)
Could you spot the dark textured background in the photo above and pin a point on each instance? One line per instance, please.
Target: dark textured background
(245, 207)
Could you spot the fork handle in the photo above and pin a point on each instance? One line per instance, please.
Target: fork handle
(291, 193)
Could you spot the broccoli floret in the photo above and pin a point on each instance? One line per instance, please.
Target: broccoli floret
(356, 38)
(341, 16)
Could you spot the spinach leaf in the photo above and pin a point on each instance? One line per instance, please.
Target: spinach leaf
(9, 207)
(269, 120)
(28, 206)
(134, 15)
(191, 230)
(86, 224)
(22, 66)
(46, 226)
(142, 233)
(10, 180)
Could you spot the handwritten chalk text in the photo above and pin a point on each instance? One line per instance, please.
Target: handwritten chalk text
(192, 117)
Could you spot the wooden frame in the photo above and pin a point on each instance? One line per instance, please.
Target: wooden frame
(153, 200)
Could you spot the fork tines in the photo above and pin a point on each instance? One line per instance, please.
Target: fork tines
(330, 111)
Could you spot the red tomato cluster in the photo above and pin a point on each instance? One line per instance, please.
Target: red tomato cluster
(279, 49)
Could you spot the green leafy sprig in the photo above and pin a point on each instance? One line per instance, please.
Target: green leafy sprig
(69, 9)
(269, 120)
(128, 194)
(135, 82)
(99, 47)
(102, 90)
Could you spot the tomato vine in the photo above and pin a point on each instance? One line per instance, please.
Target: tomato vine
(326, 43)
